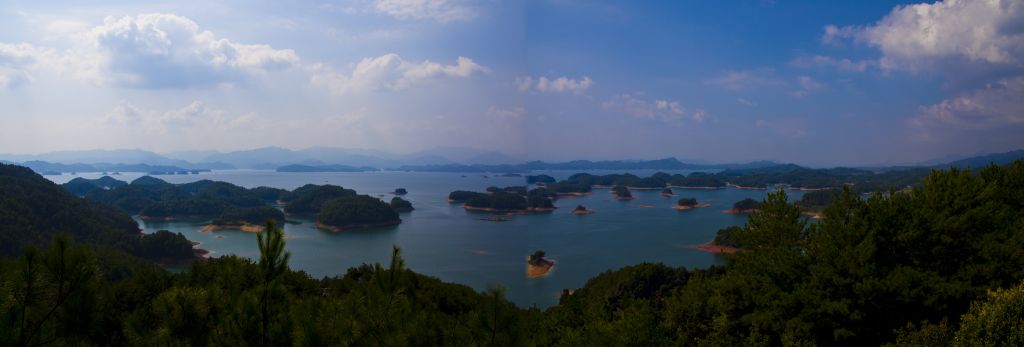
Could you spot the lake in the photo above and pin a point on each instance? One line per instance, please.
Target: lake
(444, 240)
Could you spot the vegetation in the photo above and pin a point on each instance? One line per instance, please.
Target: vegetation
(745, 205)
(938, 264)
(545, 179)
(462, 195)
(688, 202)
(727, 237)
(401, 191)
(81, 186)
(621, 192)
(356, 211)
(498, 201)
(249, 216)
(536, 259)
(401, 205)
(310, 198)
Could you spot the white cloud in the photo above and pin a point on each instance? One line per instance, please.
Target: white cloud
(807, 85)
(918, 36)
(745, 102)
(842, 64)
(742, 80)
(835, 35)
(554, 85)
(390, 72)
(16, 60)
(195, 114)
(165, 50)
(516, 113)
(663, 110)
(997, 104)
(442, 11)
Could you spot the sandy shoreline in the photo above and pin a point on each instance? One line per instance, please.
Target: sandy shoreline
(534, 271)
(735, 211)
(713, 248)
(250, 228)
(693, 187)
(685, 208)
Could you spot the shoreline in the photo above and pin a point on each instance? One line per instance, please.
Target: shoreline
(685, 208)
(694, 187)
(535, 271)
(249, 228)
(338, 229)
(710, 247)
(495, 210)
(735, 211)
(582, 212)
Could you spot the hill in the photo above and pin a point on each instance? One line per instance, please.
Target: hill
(34, 210)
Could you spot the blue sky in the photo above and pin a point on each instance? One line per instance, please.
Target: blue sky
(820, 83)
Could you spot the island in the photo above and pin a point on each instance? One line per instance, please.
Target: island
(667, 192)
(747, 205)
(725, 241)
(688, 203)
(249, 219)
(622, 193)
(537, 265)
(400, 191)
(356, 212)
(581, 210)
(401, 205)
(508, 202)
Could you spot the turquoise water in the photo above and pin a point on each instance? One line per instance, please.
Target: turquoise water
(448, 242)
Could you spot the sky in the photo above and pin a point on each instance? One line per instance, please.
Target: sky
(812, 82)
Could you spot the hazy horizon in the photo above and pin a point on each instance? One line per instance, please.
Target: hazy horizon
(821, 84)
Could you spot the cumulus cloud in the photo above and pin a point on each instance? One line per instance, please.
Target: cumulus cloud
(165, 50)
(999, 103)
(16, 61)
(554, 85)
(915, 37)
(390, 72)
(663, 110)
(195, 114)
(442, 11)
(743, 80)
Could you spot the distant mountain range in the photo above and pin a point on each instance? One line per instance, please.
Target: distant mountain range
(325, 159)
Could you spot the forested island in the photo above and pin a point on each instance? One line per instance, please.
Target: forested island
(937, 264)
(515, 199)
(684, 204)
(324, 168)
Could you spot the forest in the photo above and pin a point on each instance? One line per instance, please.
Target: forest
(939, 264)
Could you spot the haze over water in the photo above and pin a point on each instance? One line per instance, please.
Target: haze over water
(442, 239)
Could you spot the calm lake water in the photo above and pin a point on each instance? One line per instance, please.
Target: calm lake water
(444, 240)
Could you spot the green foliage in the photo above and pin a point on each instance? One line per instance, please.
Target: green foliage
(746, 205)
(622, 192)
(535, 179)
(499, 201)
(728, 236)
(310, 199)
(356, 210)
(401, 205)
(249, 215)
(996, 321)
(691, 202)
(462, 195)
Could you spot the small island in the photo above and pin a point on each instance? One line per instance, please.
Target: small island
(540, 179)
(400, 191)
(688, 203)
(725, 241)
(581, 210)
(667, 192)
(537, 265)
(747, 205)
(505, 200)
(622, 193)
(401, 205)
